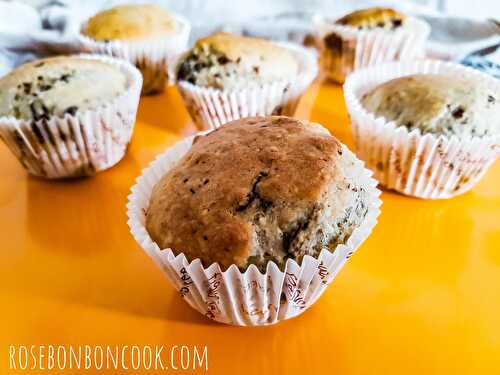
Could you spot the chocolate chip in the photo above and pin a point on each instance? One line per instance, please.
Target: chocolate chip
(238, 60)
(186, 180)
(256, 69)
(192, 191)
(39, 64)
(458, 112)
(39, 111)
(222, 60)
(205, 238)
(491, 99)
(44, 87)
(198, 66)
(71, 110)
(397, 23)
(333, 42)
(205, 182)
(27, 87)
(65, 77)
(380, 24)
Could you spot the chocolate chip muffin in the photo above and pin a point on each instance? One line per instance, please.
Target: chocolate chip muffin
(437, 104)
(365, 19)
(55, 86)
(257, 190)
(131, 22)
(227, 62)
(371, 18)
(369, 36)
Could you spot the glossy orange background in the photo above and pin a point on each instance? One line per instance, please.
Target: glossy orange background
(421, 296)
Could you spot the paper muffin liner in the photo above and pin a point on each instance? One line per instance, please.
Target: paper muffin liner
(81, 144)
(363, 48)
(210, 108)
(153, 57)
(247, 298)
(421, 165)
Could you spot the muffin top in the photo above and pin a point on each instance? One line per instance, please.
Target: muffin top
(373, 18)
(437, 103)
(128, 22)
(58, 85)
(227, 61)
(255, 190)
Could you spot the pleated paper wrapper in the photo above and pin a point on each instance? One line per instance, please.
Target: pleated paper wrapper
(363, 48)
(210, 108)
(422, 165)
(153, 57)
(247, 298)
(81, 144)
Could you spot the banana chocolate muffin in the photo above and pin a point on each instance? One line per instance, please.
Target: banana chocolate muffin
(373, 18)
(59, 85)
(437, 104)
(144, 34)
(369, 36)
(256, 190)
(227, 61)
(129, 22)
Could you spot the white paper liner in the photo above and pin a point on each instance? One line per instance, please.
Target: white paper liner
(363, 48)
(80, 144)
(244, 298)
(416, 164)
(210, 108)
(153, 57)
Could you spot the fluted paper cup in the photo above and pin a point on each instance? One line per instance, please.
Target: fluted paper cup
(210, 108)
(81, 144)
(153, 57)
(363, 48)
(422, 165)
(247, 298)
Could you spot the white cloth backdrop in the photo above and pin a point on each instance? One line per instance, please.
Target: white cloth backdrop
(42, 27)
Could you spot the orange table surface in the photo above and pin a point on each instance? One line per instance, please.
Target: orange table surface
(420, 296)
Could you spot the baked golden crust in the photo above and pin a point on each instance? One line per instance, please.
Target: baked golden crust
(277, 166)
(127, 22)
(370, 18)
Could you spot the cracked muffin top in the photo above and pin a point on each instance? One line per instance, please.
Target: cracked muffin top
(257, 190)
(373, 18)
(438, 104)
(227, 61)
(58, 85)
(128, 22)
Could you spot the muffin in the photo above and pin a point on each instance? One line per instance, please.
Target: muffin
(367, 37)
(144, 34)
(225, 77)
(438, 104)
(259, 201)
(69, 116)
(428, 129)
